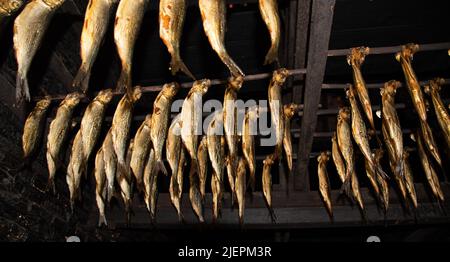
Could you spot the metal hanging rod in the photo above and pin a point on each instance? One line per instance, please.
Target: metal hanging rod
(332, 111)
(371, 86)
(392, 49)
(157, 88)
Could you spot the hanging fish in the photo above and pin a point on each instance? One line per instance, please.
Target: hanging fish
(430, 142)
(34, 127)
(57, 135)
(248, 143)
(276, 107)
(30, 27)
(324, 182)
(129, 16)
(148, 181)
(96, 22)
(171, 21)
(100, 187)
(241, 187)
(141, 150)
(203, 165)
(214, 23)
(267, 184)
(191, 116)
(439, 108)
(271, 17)
(344, 139)
(409, 180)
(288, 112)
(160, 122)
(405, 57)
(195, 196)
(110, 162)
(355, 59)
(123, 177)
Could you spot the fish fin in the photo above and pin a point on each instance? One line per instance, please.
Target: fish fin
(176, 64)
(346, 187)
(272, 56)
(22, 89)
(159, 166)
(82, 78)
(102, 220)
(381, 172)
(234, 69)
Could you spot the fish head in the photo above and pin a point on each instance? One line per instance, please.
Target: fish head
(334, 137)
(268, 161)
(236, 82)
(137, 93)
(290, 109)
(344, 113)
(280, 75)
(407, 51)
(253, 111)
(53, 3)
(436, 84)
(148, 119)
(324, 156)
(104, 96)
(73, 99)
(350, 92)
(44, 103)
(170, 90)
(390, 88)
(201, 86)
(13, 5)
(357, 55)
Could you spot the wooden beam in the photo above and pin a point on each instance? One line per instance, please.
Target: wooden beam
(321, 21)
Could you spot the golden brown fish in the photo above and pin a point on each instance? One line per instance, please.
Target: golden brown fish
(148, 180)
(230, 125)
(203, 165)
(110, 162)
(30, 27)
(391, 124)
(355, 59)
(160, 122)
(100, 187)
(120, 128)
(96, 22)
(174, 147)
(400, 181)
(216, 145)
(345, 143)
(439, 108)
(123, 177)
(75, 169)
(337, 158)
(141, 150)
(430, 173)
(91, 123)
(171, 22)
(359, 132)
(372, 176)
(231, 178)
(217, 194)
(153, 196)
(357, 194)
(430, 142)
(267, 184)
(191, 118)
(214, 23)
(276, 107)
(269, 13)
(405, 57)
(195, 196)
(324, 182)
(176, 183)
(129, 16)
(34, 127)
(288, 112)
(409, 180)
(241, 187)
(248, 143)
(382, 183)
(57, 134)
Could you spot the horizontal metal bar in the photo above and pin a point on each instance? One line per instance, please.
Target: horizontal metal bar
(392, 49)
(332, 111)
(372, 85)
(157, 88)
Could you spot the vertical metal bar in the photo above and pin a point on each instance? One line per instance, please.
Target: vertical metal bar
(321, 22)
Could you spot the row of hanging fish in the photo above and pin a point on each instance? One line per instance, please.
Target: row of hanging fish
(134, 163)
(351, 127)
(31, 25)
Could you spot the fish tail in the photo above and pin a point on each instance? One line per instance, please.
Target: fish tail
(128, 211)
(51, 185)
(82, 78)
(241, 220)
(110, 192)
(176, 64)
(234, 69)
(160, 167)
(252, 181)
(102, 220)
(22, 88)
(380, 171)
(272, 56)
(124, 82)
(273, 217)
